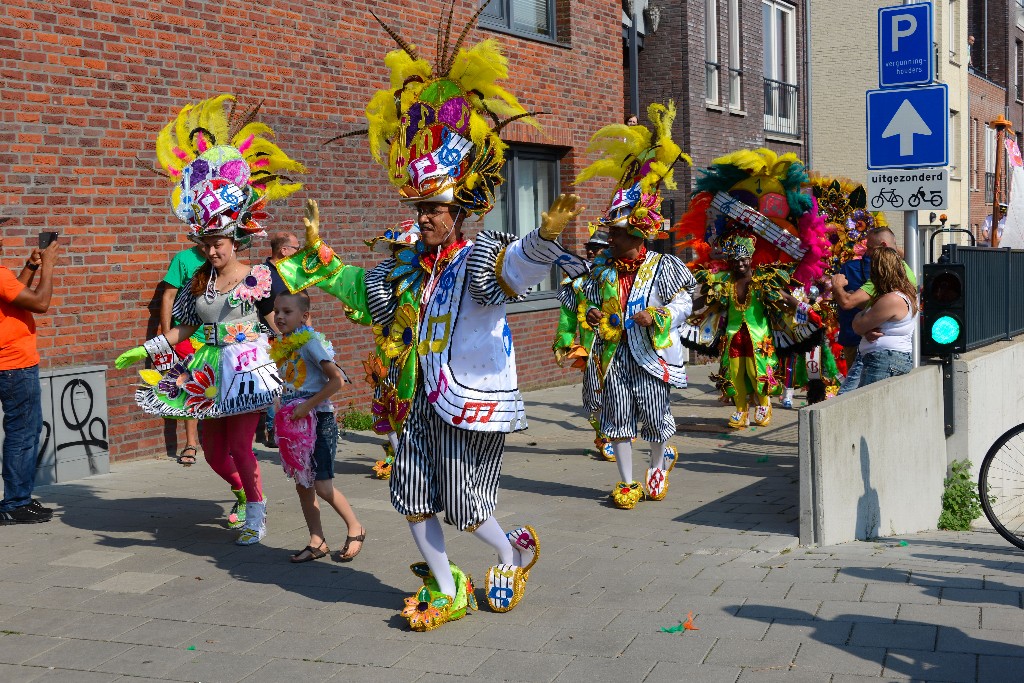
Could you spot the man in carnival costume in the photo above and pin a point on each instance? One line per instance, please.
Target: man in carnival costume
(571, 328)
(635, 300)
(440, 303)
(751, 213)
(225, 172)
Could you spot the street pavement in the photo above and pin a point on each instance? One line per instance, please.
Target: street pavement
(138, 579)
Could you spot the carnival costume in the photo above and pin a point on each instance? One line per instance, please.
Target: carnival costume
(225, 171)
(750, 206)
(441, 316)
(574, 340)
(631, 368)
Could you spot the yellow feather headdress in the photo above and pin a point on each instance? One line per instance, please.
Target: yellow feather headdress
(437, 128)
(224, 168)
(641, 161)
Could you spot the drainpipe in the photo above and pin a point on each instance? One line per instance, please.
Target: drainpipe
(807, 71)
(634, 58)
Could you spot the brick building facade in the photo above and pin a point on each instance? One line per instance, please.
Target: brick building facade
(86, 86)
(736, 72)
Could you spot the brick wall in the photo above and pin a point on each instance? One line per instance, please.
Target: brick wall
(986, 100)
(86, 85)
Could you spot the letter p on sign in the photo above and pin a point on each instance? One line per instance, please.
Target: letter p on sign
(909, 21)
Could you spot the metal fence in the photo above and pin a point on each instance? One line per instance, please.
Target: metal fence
(994, 307)
(780, 108)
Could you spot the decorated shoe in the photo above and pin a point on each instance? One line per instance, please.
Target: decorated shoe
(427, 609)
(465, 592)
(382, 468)
(506, 584)
(255, 523)
(739, 420)
(787, 403)
(763, 415)
(526, 541)
(671, 458)
(657, 483)
(606, 449)
(236, 518)
(626, 496)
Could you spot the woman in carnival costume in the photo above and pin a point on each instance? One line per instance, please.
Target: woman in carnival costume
(574, 340)
(757, 236)
(225, 173)
(635, 301)
(441, 303)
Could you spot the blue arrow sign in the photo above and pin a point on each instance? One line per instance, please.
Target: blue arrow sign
(906, 55)
(908, 127)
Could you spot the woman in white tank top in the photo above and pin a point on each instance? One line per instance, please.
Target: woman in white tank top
(888, 326)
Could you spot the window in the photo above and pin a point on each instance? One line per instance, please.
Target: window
(531, 184)
(951, 23)
(954, 142)
(972, 143)
(531, 18)
(711, 65)
(780, 90)
(735, 57)
(1018, 72)
(990, 163)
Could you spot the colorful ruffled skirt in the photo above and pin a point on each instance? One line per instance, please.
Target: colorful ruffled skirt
(230, 374)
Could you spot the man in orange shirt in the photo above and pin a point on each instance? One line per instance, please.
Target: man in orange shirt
(20, 394)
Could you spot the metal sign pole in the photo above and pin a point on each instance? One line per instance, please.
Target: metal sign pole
(912, 255)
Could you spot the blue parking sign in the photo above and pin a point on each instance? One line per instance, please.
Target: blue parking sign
(908, 127)
(906, 55)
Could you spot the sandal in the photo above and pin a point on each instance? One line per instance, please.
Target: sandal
(188, 460)
(343, 555)
(313, 553)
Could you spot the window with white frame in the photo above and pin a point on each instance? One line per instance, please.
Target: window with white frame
(953, 34)
(1018, 76)
(780, 89)
(711, 64)
(735, 57)
(522, 17)
(972, 143)
(531, 185)
(990, 163)
(954, 143)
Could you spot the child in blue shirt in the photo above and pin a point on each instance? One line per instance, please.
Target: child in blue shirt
(305, 362)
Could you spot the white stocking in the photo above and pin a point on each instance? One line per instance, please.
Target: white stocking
(624, 459)
(393, 440)
(430, 540)
(490, 532)
(658, 454)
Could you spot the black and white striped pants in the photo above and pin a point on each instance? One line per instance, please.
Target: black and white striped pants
(440, 467)
(632, 395)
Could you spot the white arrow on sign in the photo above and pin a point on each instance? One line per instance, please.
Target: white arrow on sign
(906, 123)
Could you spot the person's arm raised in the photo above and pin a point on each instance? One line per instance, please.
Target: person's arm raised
(38, 300)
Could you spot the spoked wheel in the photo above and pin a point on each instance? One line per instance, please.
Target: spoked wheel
(1001, 485)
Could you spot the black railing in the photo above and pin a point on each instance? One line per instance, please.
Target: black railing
(993, 307)
(781, 108)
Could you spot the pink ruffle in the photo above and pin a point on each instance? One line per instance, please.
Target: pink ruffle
(813, 235)
(296, 440)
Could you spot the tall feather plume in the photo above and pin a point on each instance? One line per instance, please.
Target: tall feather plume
(442, 52)
(249, 117)
(349, 134)
(409, 49)
(446, 67)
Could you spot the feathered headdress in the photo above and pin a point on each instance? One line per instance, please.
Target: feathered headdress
(641, 161)
(758, 193)
(437, 128)
(224, 168)
(843, 204)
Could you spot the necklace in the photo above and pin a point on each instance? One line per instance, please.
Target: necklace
(631, 265)
(211, 293)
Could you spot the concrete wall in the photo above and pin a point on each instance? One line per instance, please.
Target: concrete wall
(989, 395)
(872, 462)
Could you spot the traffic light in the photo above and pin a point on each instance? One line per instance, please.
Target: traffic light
(943, 310)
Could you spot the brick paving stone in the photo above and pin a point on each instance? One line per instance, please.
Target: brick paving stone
(370, 651)
(539, 667)
(590, 643)
(994, 668)
(146, 660)
(983, 641)
(951, 667)
(826, 591)
(218, 667)
(11, 673)
(293, 670)
(100, 626)
(786, 675)
(779, 609)
(863, 661)
(997, 618)
(885, 592)
(842, 610)
(961, 617)
(586, 669)
(980, 597)
(674, 672)
(899, 636)
(447, 659)
(800, 630)
(73, 676)
(737, 652)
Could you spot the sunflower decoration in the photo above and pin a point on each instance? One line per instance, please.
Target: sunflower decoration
(375, 370)
(389, 411)
(765, 347)
(612, 321)
(427, 610)
(402, 333)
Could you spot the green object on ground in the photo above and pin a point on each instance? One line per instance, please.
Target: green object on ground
(673, 629)
(904, 543)
(763, 459)
(191, 647)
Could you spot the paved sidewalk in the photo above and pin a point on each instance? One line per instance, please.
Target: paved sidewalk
(137, 578)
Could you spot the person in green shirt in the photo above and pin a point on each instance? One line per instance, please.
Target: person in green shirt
(184, 264)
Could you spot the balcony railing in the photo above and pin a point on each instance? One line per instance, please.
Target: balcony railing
(781, 108)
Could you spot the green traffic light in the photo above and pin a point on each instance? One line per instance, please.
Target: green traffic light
(945, 330)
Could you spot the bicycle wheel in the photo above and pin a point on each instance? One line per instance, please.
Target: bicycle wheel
(876, 201)
(1001, 485)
